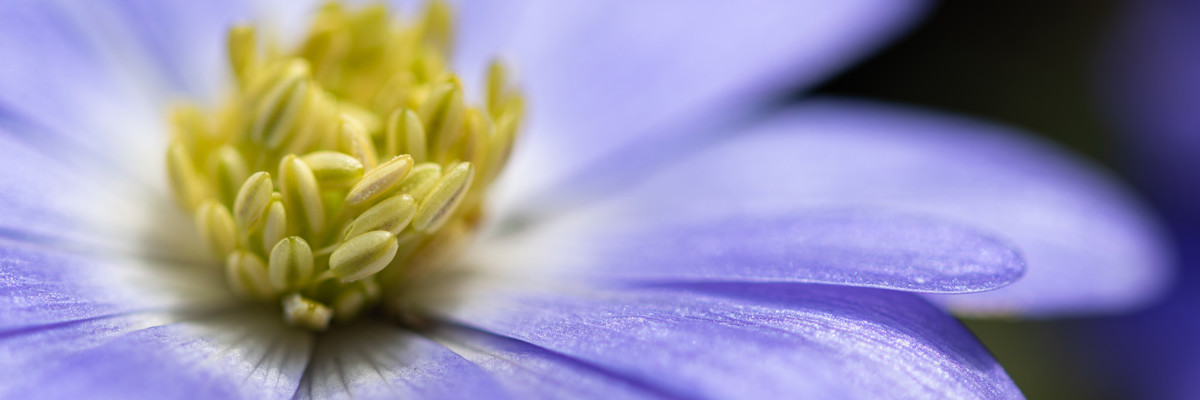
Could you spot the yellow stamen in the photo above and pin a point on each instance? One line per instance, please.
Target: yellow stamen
(363, 255)
(302, 312)
(291, 264)
(343, 166)
(380, 181)
(252, 201)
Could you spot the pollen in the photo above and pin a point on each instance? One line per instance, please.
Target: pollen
(336, 172)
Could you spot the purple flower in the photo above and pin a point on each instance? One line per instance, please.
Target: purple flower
(663, 231)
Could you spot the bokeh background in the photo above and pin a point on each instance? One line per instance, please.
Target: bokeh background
(1039, 66)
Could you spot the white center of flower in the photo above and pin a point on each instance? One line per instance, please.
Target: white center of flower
(380, 168)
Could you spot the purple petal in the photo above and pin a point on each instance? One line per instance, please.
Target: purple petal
(529, 372)
(94, 325)
(81, 324)
(55, 75)
(48, 284)
(601, 75)
(183, 43)
(1088, 246)
(854, 248)
(74, 200)
(375, 361)
(752, 340)
(96, 78)
(1155, 87)
(227, 354)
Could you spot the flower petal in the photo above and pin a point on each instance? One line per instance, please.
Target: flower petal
(95, 78)
(375, 361)
(1155, 353)
(54, 75)
(46, 285)
(76, 201)
(82, 324)
(1154, 87)
(183, 43)
(601, 75)
(751, 340)
(855, 248)
(529, 372)
(228, 355)
(1088, 246)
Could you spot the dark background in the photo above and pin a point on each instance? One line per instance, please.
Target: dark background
(1031, 64)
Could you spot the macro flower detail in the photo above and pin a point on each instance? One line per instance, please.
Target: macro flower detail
(378, 157)
(659, 231)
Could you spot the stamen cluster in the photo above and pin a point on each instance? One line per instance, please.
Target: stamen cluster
(380, 168)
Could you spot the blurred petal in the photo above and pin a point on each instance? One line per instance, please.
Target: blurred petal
(72, 199)
(56, 78)
(95, 325)
(853, 248)
(182, 42)
(1155, 87)
(376, 361)
(82, 100)
(44, 285)
(1088, 246)
(96, 78)
(600, 75)
(226, 355)
(1151, 354)
(752, 340)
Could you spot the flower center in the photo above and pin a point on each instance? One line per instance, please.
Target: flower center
(339, 171)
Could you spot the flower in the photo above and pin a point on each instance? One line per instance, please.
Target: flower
(662, 232)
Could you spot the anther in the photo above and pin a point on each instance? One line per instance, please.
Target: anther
(500, 145)
(437, 25)
(333, 169)
(252, 200)
(391, 215)
(248, 276)
(326, 49)
(396, 92)
(228, 168)
(189, 127)
(243, 53)
(443, 113)
(497, 86)
(405, 134)
(477, 130)
(275, 224)
(189, 189)
(300, 192)
(279, 111)
(354, 140)
(439, 205)
(290, 264)
(421, 180)
(216, 227)
(380, 180)
(363, 255)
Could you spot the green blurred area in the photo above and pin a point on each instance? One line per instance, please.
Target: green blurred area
(1043, 360)
(1025, 63)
